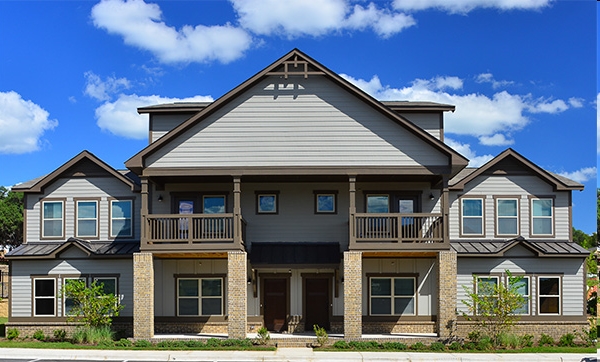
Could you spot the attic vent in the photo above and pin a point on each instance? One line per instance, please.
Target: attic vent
(295, 66)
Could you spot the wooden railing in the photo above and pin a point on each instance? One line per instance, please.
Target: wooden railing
(399, 228)
(192, 229)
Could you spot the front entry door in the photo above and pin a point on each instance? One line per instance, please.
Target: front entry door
(317, 302)
(275, 303)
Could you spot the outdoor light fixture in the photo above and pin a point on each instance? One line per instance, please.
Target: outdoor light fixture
(160, 199)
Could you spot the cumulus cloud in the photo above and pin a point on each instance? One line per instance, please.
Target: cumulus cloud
(492, 119)
(466, 6)
(582, 175)
(22, 124)
(465, 150)
(140, 24)
(103, 90)
(120, 117)
(489, 78)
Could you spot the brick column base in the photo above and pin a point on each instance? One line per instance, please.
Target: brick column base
(236, 294)
(352, 295)
(446, 318)
(143, 296)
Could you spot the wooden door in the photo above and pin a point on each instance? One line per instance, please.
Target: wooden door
(275, 303)
(317, 303)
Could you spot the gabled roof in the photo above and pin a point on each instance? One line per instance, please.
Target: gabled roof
(52, 250)
(296, 63)
(540, 248)
(84, 164)
(511, 162)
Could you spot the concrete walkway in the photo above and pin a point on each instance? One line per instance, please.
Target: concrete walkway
(282, 354)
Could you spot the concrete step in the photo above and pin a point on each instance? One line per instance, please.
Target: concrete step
(292, 343)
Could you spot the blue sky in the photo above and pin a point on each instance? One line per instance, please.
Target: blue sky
(72, 73)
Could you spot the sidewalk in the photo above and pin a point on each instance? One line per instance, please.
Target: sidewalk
(283, 354)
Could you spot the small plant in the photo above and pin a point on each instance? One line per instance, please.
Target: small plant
(93, 335)
(394, 346)
(437, 346)
(545, 340)
(341, 345)
(419, 346)
(142, 343)
(510, 340)
(262, 336)
(455, 346)
(39, 335)
(322, 336)
(484, 344)
(123, 342)
(12, 333)
(474, 336)
(60, 335)
(567, 340)
(527, 340)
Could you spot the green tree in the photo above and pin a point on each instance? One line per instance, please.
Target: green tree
(11, 218)
(585, 240)
(494, 306)
(90, 305)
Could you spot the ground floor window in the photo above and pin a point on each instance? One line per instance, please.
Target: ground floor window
(44, 297)
(548, 295)
(392, 296)
(199, 296)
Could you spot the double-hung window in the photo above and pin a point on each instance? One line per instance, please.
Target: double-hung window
(109, 284)
(542, 216)
(52, 219)
(393, 296)
(69, 303)
(548, 295)
(472, 216)
(522, 286)
(507, 216)
(121, 218)
(87, 219)
(199, 296)
(487, 290)
(44, 297)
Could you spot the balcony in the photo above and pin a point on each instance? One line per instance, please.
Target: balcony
(397, 232)
(177, 232)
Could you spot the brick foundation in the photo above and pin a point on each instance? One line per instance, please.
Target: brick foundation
(552, 328)
(399, 327)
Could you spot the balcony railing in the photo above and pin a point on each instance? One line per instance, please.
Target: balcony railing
(192, 229)
(398, 228)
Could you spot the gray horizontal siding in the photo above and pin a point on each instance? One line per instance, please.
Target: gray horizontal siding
(163, 123)
(430, 122)
(21, 294)
(306, 122)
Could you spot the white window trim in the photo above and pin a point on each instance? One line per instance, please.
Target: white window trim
(62, 220)
(498, 217)
(463, 217)
(77, 219)
(540, 295)
(200, 297)
(35, 298)
(64, 299)
(392, 296)
(551, 217)
(113, 218)
(528, 295)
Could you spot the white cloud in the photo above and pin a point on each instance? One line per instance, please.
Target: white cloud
(383, 22)
(487, 117)
(465, 150)
(576, 102)
(141, 25)
(103, 90)
(121, 118)
(489, 78)
(465, 6)
(22, 124)
(581, 175)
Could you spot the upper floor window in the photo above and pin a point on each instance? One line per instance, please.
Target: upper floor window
(507, 216)
(52, 219)
(472, 216)
(87, 218)
(267, 202)
(378, 204)
(542, 216)
(325, 202)
(121, 218)
(213, 204)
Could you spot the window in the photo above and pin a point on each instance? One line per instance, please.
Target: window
(109, 284)
(52, 219)
(521, 285)
(378, 204)
(541, 217)
(44, 297)
(120, 218)
(507, 217)
(487, 287)
(325, 202)
(87, 218)
(393, 296)
(199, 296)
(548, 295)
(472, 216)
(266, 202)
(68, 303)
(213, 204)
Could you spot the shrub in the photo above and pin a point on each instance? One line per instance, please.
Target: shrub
(474, 336)
(322, 336)
(510, 340)
(484, 344)
(213, 343)
(341, 345)
(527, 340)
(123, 342)
(262, 336)
(567, 340)
(469, 345)
(91, 305)
(93, 335)
(545, 340)
(60, 334)
(39, 335)
(437, 346)
(195, 343)
(394, 346)
(364, 345)
(419, 346)
(12, 333)
(455, 346)
(142, 343)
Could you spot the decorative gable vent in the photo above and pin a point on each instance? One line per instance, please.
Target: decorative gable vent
(295, 66)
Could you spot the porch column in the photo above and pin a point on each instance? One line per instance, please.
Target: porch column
(236, 294)
(352, 295)
(352, 211)
(446, 315)
(143, 296)
(144, 210)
